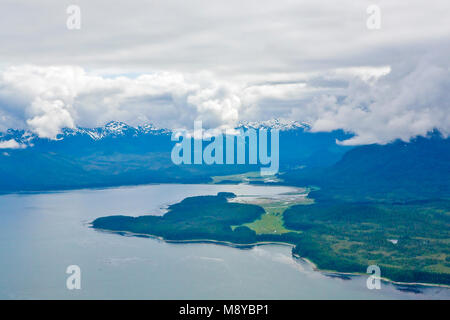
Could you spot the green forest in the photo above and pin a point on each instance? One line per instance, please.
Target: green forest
(410, 242)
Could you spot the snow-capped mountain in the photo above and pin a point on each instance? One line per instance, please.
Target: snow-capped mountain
(119, 154)
(113, 129)
(25, 138)
(16, 139)
(280, 124)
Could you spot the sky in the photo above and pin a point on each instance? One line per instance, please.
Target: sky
(172, 62)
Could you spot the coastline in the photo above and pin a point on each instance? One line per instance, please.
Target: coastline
(422, 284)
(133, 185)
(261, 243)
(210, 241)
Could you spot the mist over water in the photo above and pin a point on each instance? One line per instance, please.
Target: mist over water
(42, 234)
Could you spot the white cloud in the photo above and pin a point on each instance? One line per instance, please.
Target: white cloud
(172, 62)
(377, 104)
(10, 144)
(233, 39)
(47, 99)
(393, 107)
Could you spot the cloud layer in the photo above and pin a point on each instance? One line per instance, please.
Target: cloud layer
(47, 99)
(172, 62)
(399, 105)
(378, 105)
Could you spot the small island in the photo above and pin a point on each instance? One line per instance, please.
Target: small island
(336, 236)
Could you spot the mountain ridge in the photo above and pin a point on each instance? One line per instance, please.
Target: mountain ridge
(24, 138)
(399, 170)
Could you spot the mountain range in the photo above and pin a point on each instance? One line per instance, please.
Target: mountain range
(119, 154)
(398, 171)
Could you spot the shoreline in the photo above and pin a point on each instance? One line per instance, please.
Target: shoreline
(210, 241)
(206, 241)
(129, 186)
(421, 284)
(261, 243)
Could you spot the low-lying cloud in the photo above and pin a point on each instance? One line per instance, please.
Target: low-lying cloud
(47, 99)
(377, 104)
(399, 105)
(11, 144)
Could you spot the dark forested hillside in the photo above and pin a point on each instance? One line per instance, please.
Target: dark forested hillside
(399, 171)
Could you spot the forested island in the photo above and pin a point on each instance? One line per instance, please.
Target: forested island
(199, 218)
(410, 242)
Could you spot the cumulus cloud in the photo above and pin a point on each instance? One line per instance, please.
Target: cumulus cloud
(10, 144)
(377, 104)
(47, 99)
(400, 105)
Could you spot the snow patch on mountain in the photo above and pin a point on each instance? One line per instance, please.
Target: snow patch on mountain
(280, 124)
(113, 129)
(14, 138)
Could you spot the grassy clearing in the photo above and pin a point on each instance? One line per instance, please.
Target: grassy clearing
(272, 221)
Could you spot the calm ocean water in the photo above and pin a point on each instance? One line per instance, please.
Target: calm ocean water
(42, 234)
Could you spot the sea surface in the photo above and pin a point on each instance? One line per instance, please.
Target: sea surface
(42, 234)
